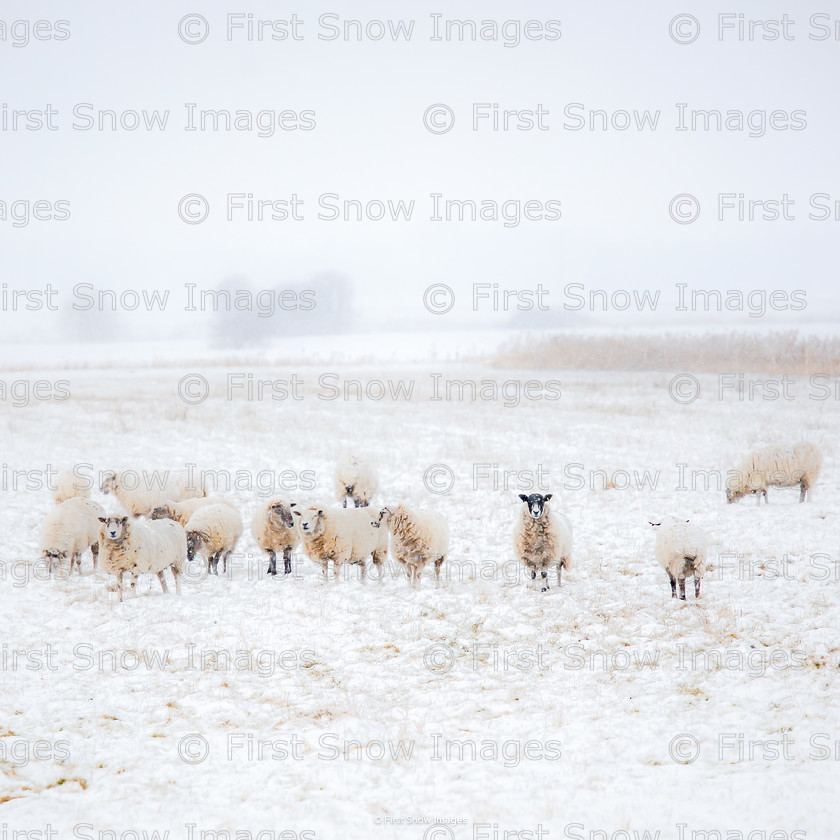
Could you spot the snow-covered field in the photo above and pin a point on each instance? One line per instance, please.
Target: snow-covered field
(603, 709)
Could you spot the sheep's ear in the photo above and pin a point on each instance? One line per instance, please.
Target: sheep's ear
(548, 496)
(102, 519)
(123, 519)
(297, 513)
(654, 524)
(523, 497)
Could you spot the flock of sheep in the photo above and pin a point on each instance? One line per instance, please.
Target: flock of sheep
(173, 521)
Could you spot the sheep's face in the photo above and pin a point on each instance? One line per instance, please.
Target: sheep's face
(114, 528)
(282, 514)
(310, 520)
(109, 481)
(734, 495)
(394, 518)
(536, 503)
(195, 539)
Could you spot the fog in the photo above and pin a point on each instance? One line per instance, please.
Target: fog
(331, 165)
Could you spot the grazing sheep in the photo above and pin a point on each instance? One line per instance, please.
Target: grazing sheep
(681, 550)
(142, 548)
(69, 529)
(776, 466)
(273, 527)
(343, 536)
(183, 510)
(543, 538)
(214, 531)
(417, 537)
(140, 492)
(68, 485)
(356, 479)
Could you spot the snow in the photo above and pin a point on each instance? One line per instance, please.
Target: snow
(351, 710)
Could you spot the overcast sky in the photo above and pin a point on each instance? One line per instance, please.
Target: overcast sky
(606, 197)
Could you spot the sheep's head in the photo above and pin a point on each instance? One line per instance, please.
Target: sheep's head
(114, 528)
(377, 518)
(310, 520)
(162, 512)
(732, 495)
(536, 503)
(54, 555)
(282, 513)
(109, 482)
(195, 539)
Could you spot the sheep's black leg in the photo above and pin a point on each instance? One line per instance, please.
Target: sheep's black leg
(345, 502)
(673, 585)
(272, 563)
(355, 503)
(94, 550)
(682, 589)
(544, 576)
(559, 571)
(287, 561)
(803, 489)
(696, 585)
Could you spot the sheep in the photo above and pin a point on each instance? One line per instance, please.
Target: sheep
(417, 537)
(776, 466)
(343, 536)
(140, 492)
(542, 538)
(681, 550)
(183, 510)
(273, 527)
(69, 529)
(214, 531)
(355, 478)
(68, 485)
(142, 548)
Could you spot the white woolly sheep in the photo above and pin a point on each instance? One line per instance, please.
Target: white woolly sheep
(681, 550)
(776, 466)
(183, 510)
(214, 530)
(68, 485)
(357, 479)
(417, 538)
(543, 538)
(140, 492)
(273, 527)
(69, 529)
(343, 536)
(138, 548)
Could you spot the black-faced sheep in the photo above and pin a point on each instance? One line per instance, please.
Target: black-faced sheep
(543, 538)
